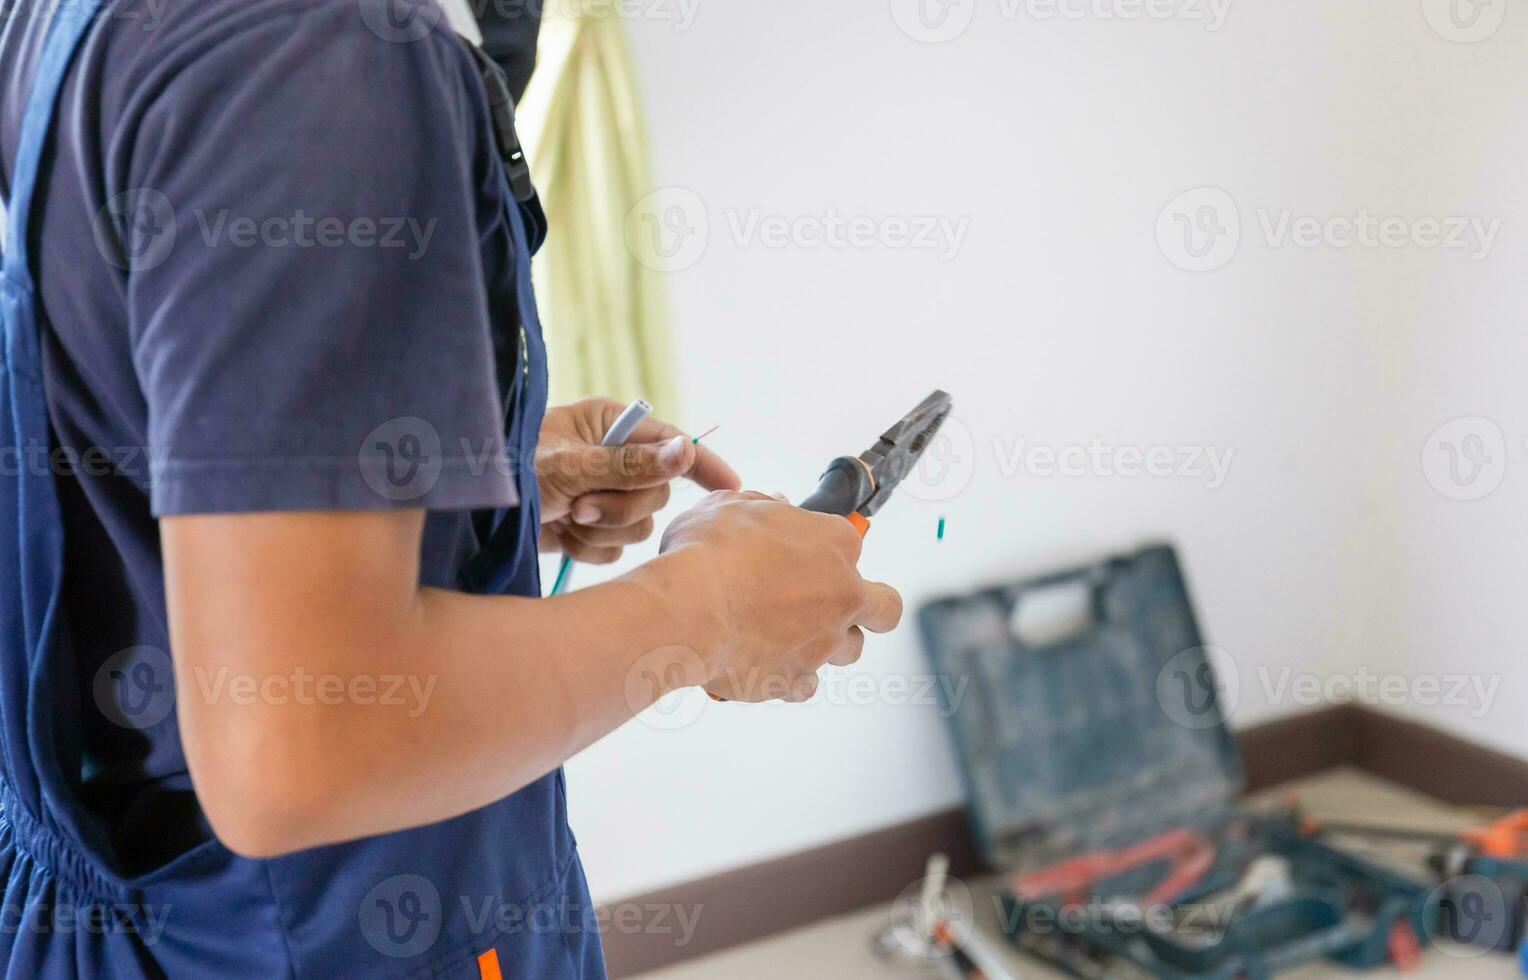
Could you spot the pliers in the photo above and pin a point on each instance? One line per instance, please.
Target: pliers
(856, 487)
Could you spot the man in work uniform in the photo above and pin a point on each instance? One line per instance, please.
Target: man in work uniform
(277, 697)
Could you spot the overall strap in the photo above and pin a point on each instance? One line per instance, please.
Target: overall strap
(70, 21)
(501, 109)
(31, 550)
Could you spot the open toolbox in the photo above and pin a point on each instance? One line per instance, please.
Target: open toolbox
(1102, 780)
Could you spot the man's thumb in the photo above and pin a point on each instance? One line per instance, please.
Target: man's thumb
(647, 464)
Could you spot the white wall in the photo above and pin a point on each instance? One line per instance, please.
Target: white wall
(1455, 604)
(1061, 320)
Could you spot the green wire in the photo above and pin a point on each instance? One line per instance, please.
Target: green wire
(562, 575)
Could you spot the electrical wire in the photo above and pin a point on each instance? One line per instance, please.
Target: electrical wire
(620, 430)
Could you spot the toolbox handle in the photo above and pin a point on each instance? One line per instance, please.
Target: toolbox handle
(1093, 577)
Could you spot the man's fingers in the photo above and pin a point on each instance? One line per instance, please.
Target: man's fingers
(802, 689)
(754, 687)
(620, 509)
(612, 537)
(843, 534)
(712, 472)
(589, 554)
(882, 608)
(706, 468)
(717, 497)
(636, 465)
(848, 652)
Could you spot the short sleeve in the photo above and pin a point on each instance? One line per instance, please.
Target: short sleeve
(300, 230)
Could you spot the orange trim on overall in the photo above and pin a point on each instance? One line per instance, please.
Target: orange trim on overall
(488, 965)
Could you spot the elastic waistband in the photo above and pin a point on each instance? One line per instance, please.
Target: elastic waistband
(56, 856)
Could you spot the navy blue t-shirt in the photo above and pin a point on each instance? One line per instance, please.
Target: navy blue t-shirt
(267, 230)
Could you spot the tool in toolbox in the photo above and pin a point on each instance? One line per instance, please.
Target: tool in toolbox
(932, 932)
(856, 487)
(1189, 856)
(1506, 837)
(1483, 870)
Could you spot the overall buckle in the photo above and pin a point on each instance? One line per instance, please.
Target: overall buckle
(501, 106)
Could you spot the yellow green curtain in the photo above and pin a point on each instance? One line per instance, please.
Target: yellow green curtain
(582, 128)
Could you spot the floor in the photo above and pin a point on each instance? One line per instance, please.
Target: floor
(840, 948)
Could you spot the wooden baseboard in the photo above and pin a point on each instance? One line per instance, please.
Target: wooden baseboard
(771, 897)
(1278, 751)
(1436, 763)
(776, 896)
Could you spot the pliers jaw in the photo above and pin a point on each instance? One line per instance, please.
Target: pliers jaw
(861, 485)
(898, 450)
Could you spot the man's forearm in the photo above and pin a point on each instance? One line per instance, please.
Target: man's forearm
(488, 693)
(589, 661)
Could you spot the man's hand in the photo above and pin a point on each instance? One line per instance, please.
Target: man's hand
(784, 592)
(594, 500)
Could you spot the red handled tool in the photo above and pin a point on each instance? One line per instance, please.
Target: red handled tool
(1189, 857)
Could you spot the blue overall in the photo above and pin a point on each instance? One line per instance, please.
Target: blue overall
(494, 893)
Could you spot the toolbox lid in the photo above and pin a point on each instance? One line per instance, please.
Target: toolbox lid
(1102, 737)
